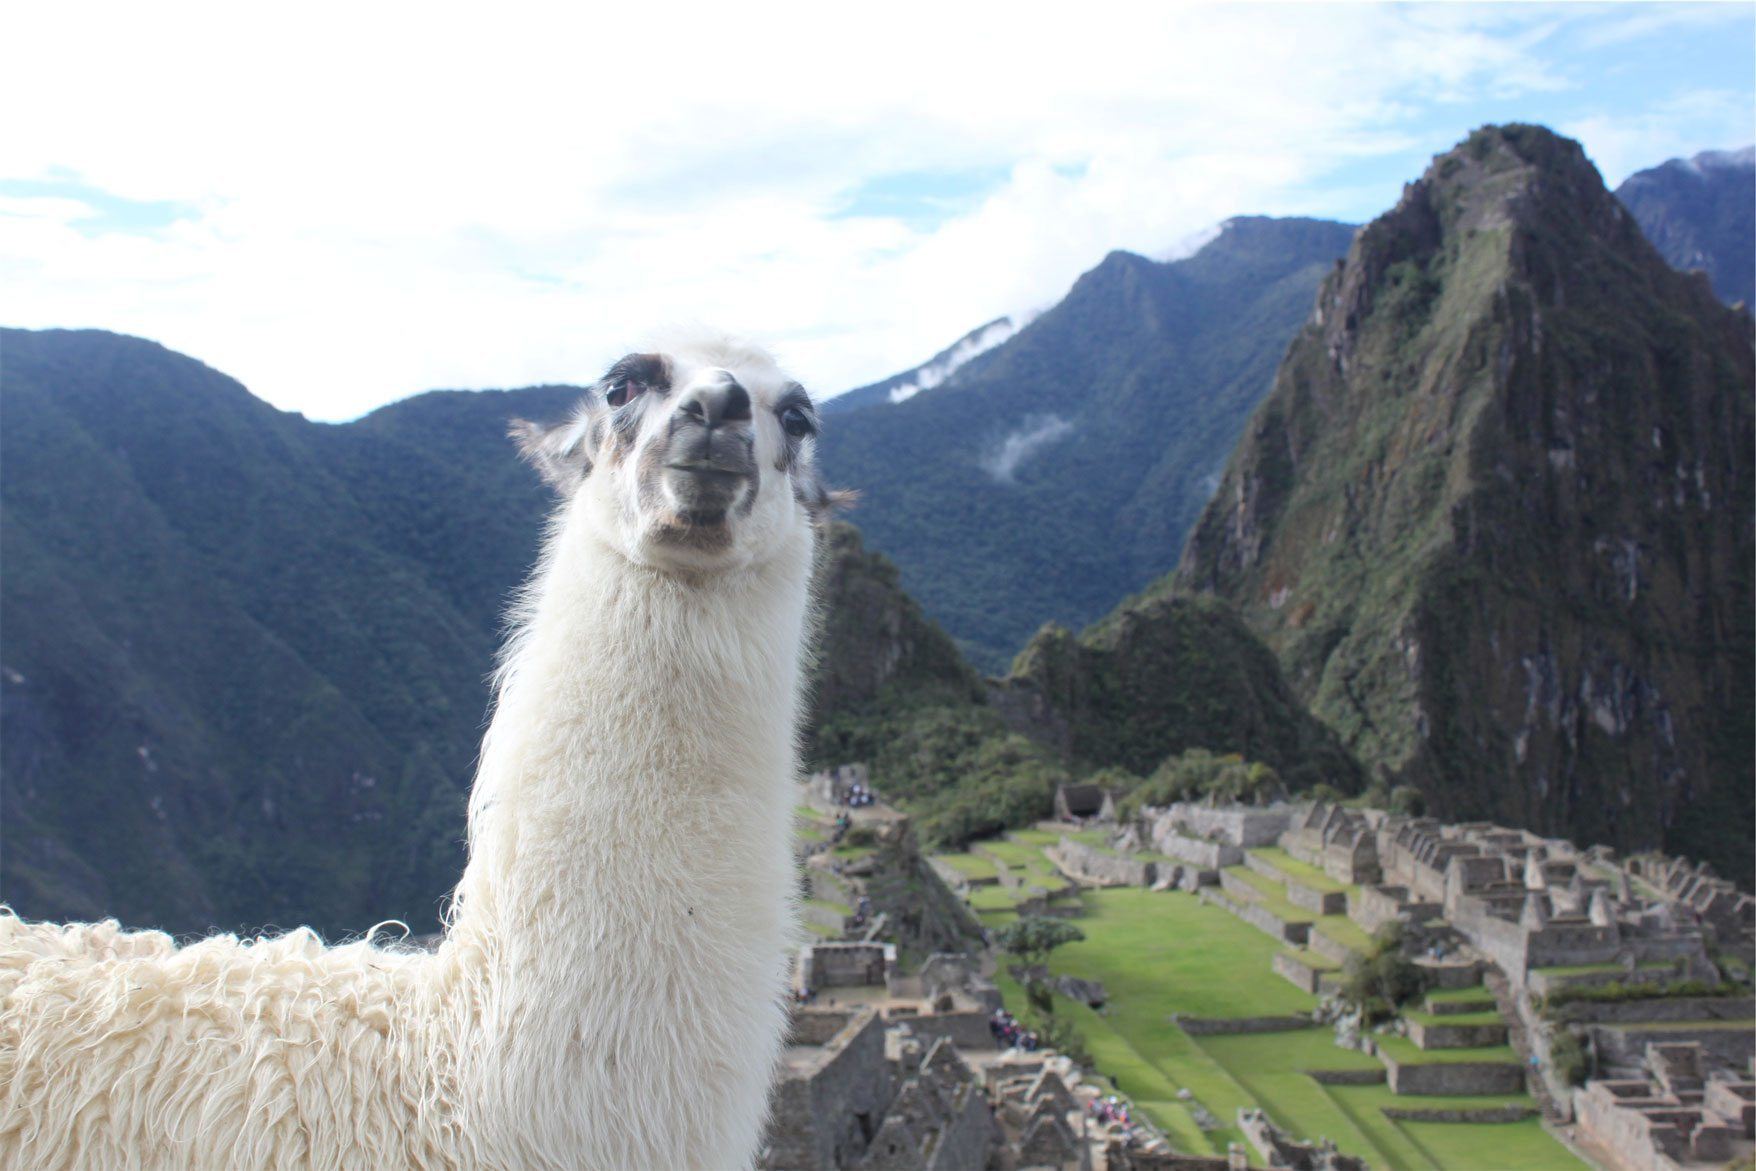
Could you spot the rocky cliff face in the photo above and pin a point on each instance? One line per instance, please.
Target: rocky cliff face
(1495, 517)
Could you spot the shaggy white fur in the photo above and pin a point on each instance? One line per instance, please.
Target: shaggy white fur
(608, 991)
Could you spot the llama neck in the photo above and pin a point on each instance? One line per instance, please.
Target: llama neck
(641, 718)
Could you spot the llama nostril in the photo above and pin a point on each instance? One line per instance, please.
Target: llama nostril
(726, 402)
(737, 404)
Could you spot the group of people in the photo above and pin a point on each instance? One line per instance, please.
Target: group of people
(1009, 1034)
(1110, 1109)
(858, 795)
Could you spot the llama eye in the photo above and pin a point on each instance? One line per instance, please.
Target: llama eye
(795, 422)
(623, 391)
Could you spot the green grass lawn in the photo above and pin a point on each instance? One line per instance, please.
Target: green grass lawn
(1271, 896)
(996, 898)
(1313, 959)
(1158, 954)
(1344, 931)
(1018, 855)
(1307, 874)
(969, 865)
(1505, 1146)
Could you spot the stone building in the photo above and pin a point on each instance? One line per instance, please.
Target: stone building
(1684, 1112)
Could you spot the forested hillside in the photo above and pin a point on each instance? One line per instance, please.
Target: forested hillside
(1058, 473)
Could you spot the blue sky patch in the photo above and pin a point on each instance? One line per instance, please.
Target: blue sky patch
(108, 213)
(922, 199)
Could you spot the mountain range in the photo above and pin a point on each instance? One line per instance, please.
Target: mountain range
(1059, 472)
(242, 675)
(1697, 214)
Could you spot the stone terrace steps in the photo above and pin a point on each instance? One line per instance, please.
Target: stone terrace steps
(1516, 1037)
(1449, 1072)
(1460, 1000)
(1301, 885)
(1477, 1030)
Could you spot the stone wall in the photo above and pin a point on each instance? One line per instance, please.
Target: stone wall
(967, 1030)
(1632, 1140)
(845, 965)
(1442, 1035)
(1306, 977)
(1330, 949)
(1259, 917)
(1107, 869)
(1236, 825)
(1455, 1077)
(1173, 843)
(1663, 1008)
(1734, 1043)
(825, 1096)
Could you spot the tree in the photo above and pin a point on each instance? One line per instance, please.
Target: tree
(1032, 937)
(1383, 979)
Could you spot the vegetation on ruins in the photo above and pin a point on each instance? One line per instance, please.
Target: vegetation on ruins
(1197, 774)
(1568, 1056)
(1380, 980)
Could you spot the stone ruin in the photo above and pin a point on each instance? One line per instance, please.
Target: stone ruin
(859, 1092)
(1343, 843)
(1081, 803)
(855, 1094)
(1686, 1111)
(1278, 1151)
(1525, 902)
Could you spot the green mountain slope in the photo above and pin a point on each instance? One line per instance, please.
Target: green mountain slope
(1153, 679)
(1159, 676)
(221, 701)
(1495, 516)
(1059, 472)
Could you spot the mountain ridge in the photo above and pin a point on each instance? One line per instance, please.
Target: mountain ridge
(1476, 516)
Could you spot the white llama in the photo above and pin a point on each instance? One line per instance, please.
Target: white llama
(608, 993)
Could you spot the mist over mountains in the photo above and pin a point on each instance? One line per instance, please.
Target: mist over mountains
(243, 659)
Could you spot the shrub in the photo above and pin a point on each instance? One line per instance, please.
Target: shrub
(1382, 980)
(1568, 1057)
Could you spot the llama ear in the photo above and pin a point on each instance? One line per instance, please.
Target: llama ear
(560, 451)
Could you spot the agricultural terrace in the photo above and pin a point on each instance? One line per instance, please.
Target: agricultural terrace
(1161, 954)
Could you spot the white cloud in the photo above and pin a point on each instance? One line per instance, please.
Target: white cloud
(1621, 145)
(1017, 446)
(395, 197)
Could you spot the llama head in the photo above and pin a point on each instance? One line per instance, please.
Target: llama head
(697, 456)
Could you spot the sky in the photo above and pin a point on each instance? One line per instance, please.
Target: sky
(342, 205)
